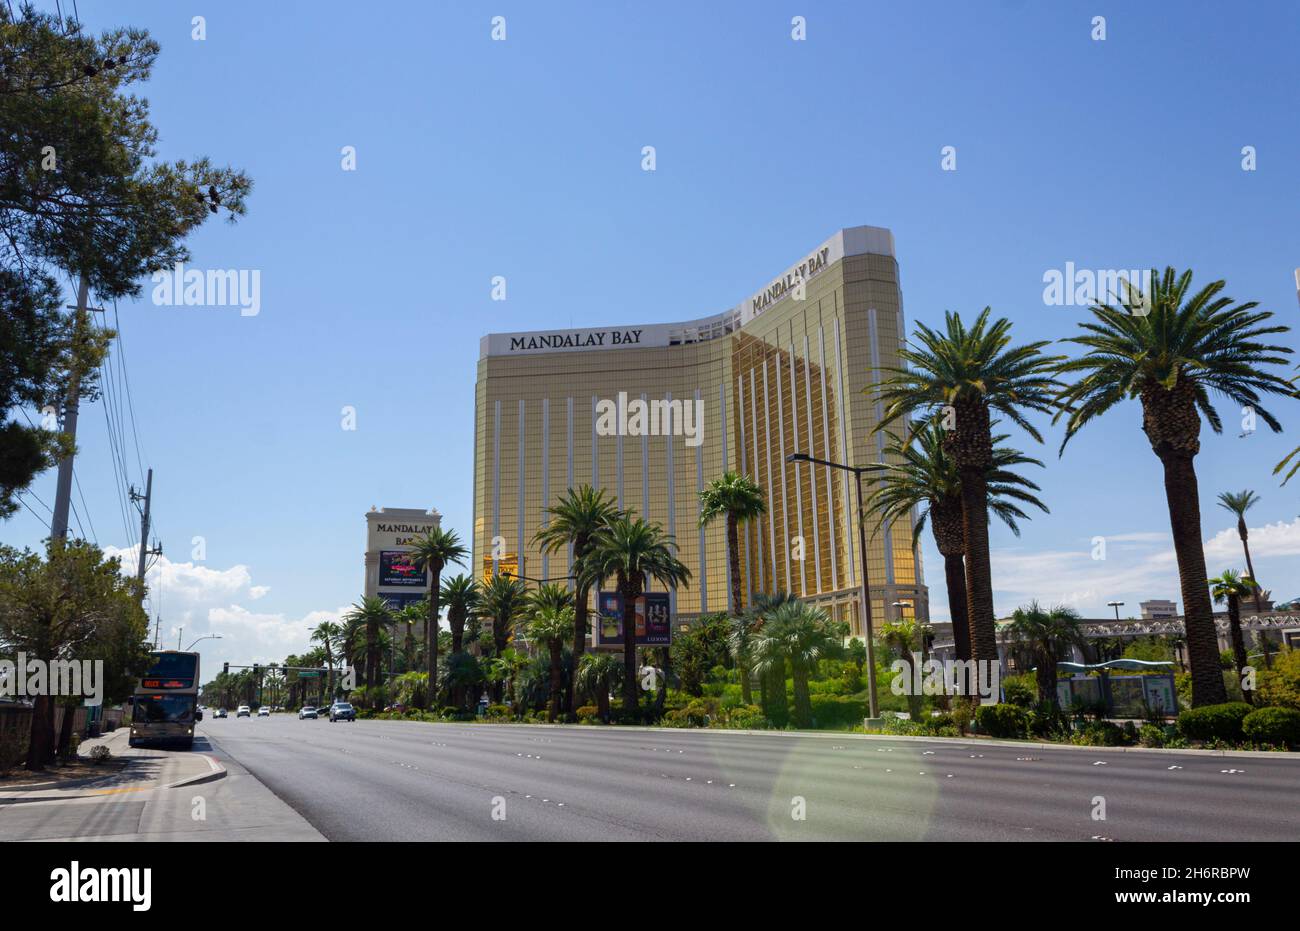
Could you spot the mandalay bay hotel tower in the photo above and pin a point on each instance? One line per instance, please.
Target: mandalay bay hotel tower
(654, 412)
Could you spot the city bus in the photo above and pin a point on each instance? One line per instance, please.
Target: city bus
(166, 700)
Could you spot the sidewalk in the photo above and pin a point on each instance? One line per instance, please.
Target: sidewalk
(146, 769)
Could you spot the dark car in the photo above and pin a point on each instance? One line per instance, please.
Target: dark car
(342, 711)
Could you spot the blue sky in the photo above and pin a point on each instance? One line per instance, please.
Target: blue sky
(522, 158)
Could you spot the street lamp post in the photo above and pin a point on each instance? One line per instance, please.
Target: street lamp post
(865, 586)
(204, 637)
(1116, 605)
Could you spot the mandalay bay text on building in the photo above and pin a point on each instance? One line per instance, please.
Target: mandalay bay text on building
(654, 412)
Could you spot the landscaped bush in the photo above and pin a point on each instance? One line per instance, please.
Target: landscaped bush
(588, 714)
(100, 754)
(698, 713)
(1214, 722)
(1101, 734)
(1020, 692)
(837, 711)
(1150, 735)
(1002, 720)
(745, 717)
(1273, 726)
(1280, 685)
(497, 712)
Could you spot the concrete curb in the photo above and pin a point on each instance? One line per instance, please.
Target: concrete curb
(849, 735)
(216, 771)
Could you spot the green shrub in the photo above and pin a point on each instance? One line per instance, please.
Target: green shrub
(100, 754)
(588, 714)
(744, 717)
(1280, 685)
(497, 711)
(1101, 734)
(1150, 735)
(837, 711)
(1002, 720)
(1214, 722)
(1273, 726)
(1020, 692)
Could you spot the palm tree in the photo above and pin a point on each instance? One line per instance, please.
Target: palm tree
(902, 638)
(408, 617)
(462, 596)
(598, 675)
(1239, 504)
(572, 521)
(1047, 631)
(738, 499)
(740, 642)
(631, 551)
(429, 554)
(1170, 359)
(771, 677)
(371, 615)
(963, 376)
(1230, 586)
(802, 635)
(503, 600)
(549, 627)
(328, 634)
(926, 479)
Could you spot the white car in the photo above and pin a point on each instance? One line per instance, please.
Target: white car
(264, 712)
(243, 712)
(307, 712)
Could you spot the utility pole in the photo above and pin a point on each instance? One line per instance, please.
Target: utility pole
(144, 527)
(63, 490)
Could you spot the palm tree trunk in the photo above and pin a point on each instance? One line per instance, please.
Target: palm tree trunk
(1250, 567)
(581, 594)
(1183, 499)
(1047, 675)
(733, 563)
(431, 638)
(557, 680)
(954, 571)
(979, 582)
(630, 591)
(1240, 660)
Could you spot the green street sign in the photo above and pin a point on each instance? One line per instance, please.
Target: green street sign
(309, 674)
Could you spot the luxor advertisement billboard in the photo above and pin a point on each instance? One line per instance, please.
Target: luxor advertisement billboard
(652, 619)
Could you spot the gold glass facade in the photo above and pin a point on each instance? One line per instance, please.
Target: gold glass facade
(784, 372)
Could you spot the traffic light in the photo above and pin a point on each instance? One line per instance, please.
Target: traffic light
(225, 670)
(256, 671)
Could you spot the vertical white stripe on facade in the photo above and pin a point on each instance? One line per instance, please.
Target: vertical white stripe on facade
(496, 482)
(887, 529)
(595, 447)
(758, 472)
(767, 434)
(672, 497)
(798, 484)
(744, 470)
(781, 464)
(645, 468)
(618, 468)
(699, 486)
(546, 479)
(812, 469)
(521, 506)
(850, 504)
(830, 475)
(722, 417)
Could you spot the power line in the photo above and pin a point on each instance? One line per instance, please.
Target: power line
(76, 481)
(34, 513)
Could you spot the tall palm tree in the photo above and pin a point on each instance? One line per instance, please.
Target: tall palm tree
(1186, 346)
(370, 615)
(550, 625)
(572, 521)
(801, 635)
(503, 600)
(407, 618)
(328, 634)
(962, 377)
(430, 554)
(462, 596)
(598, 675)
(1047, 631)
(1239, 503)
(632, 551)
(1230, 586)
(738, 499)
(921, 475)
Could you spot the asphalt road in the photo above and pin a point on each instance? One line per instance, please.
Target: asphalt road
(395, 780)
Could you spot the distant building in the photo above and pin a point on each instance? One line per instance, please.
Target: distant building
(390, 533)
(1158, 609)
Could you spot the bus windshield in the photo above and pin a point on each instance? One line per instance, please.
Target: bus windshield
(164, 709)
(172, 666)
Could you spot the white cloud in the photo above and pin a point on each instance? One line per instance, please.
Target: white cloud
(1280, 539)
